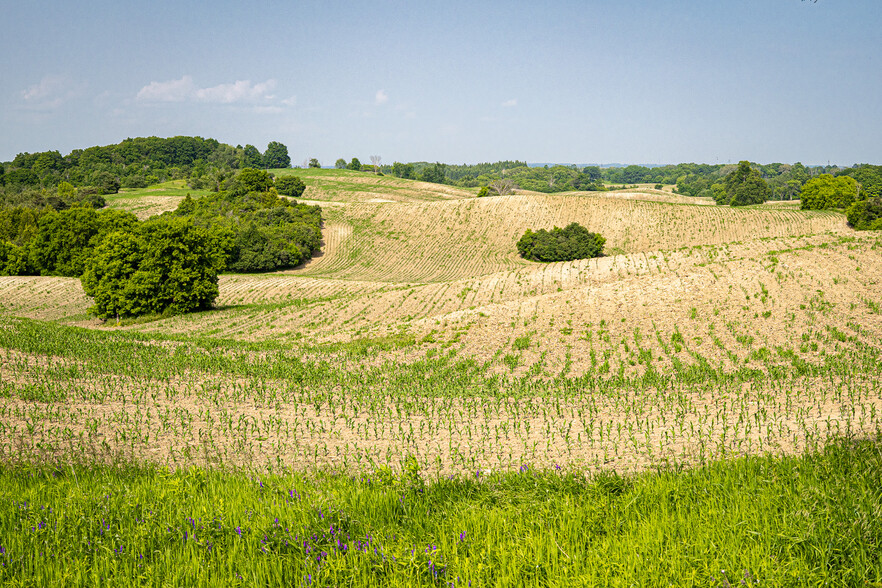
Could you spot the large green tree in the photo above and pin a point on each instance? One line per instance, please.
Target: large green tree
(253, 158)
(744, 186)
(825, 191)
(65, 240)
(276, 155)
(166, 266)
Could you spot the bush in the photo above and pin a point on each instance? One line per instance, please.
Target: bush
(825, 191)
(165, 266)
(483, 192)
(290, 186)
(866, 215)
(252, 180)
(572, 242)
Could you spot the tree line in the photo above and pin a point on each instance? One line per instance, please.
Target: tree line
(168, 263)
(134, 163)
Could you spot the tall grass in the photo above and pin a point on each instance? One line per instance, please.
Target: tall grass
(758, 521)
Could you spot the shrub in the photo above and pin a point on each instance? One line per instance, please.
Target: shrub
(865, 215)
(567, 244)
(290, 186)
(165, 266)
(252, 180)
(483, 192)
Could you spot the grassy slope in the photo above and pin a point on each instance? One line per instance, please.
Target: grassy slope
(807, 521)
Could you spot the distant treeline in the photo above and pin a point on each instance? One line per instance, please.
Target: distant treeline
(133, 163)
(785, 181)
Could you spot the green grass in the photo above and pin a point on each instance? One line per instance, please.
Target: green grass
(807, 521)
(169, 188)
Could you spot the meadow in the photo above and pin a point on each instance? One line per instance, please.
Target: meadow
(419, 406)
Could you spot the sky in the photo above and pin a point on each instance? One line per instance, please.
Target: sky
(589, 81)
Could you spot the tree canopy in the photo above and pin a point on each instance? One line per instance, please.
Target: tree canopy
(572, 242)
(744, 186)
(825, 191)
(276, 156)
(165, 266)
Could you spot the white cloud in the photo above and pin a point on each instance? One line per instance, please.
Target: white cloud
(512, 102)
(240, 91)
(171, 91)
(185, 90)
(292, 101)
(381, 97)
(50, 93)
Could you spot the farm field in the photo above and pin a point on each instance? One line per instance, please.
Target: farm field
(419, 364)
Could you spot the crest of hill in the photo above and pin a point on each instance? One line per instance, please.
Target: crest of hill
(431, 241)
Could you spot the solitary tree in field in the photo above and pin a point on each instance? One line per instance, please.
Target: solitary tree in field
(340, 163)
(375, 160)
(314, 163)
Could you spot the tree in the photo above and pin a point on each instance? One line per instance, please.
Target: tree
(865, 215)
(253, 158)
(252, 180)
(106, 182)
(744, 186)
(290, 186)
(340, 164)
(276, 156)
(61, 245)
(65, 240)
(825, 191)
(375, 161)
(314, 163)
(403, 170)
(435, 173)
(502, 187)
(572, 242)
(354, 165)
(169, 266)
(483, 192)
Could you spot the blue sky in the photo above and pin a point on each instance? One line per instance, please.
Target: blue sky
(628, 81)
